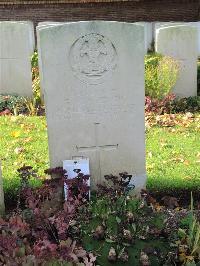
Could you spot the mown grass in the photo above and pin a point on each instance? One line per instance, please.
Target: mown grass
(173, 153)
(173, 157)
(23, 141)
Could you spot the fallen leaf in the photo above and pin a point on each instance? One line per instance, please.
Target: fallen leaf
(170, 202)
(19, 150)
(15, 134)
(27, 139)
(186, 162)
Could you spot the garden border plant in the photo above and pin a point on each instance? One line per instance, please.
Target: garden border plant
(161, 74)
(114, 227)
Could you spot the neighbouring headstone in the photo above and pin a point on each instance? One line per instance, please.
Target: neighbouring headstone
(2, 203)
(93, 83)
(44, 24)
(16, 48)
(158, 25)
(148, 35)
(180, 42)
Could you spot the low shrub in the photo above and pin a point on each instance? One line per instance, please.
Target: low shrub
(159, 106)
(39, 232)
(37, 97)
(189, 238)
(114, 227)
(12, 103)
(172, 104)
(161, 73)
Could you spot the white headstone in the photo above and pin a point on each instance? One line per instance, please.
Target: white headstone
(180, 42)
(16, 48)
(93, 83)
(158, 25)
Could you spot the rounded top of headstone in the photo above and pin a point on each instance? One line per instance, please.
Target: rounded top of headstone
(179, 41)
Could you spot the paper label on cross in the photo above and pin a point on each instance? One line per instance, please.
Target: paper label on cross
(71, 165)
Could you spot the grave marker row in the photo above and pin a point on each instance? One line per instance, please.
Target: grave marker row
(17, 43)
(92, 77)
(180, 42)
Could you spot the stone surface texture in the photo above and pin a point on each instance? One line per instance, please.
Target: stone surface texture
(16, 47)
(180, 42)
(148, 34)
(93, 84)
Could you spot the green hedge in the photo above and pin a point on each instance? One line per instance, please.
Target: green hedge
(161, 73)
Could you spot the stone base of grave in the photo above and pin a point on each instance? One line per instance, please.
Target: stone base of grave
(140, 183)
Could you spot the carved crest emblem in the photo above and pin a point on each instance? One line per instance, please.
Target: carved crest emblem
(93, 58)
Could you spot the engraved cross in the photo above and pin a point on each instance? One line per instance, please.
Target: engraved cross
(97, 148)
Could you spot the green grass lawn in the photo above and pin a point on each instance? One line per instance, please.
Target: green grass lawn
(173, 153)
(23, 141)
(173, 157)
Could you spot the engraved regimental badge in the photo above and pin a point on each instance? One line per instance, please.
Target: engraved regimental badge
(93, 58)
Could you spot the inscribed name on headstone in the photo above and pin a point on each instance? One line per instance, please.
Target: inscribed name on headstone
(16, 48)
(93, 83)
(180, 42)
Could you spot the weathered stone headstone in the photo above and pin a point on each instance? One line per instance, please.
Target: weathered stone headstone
(93, 83)
(158, 25)
(148, 35)
(2, 204)
(180, 42)
(16, 48)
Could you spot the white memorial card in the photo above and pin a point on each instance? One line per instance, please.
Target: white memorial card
(71, 165)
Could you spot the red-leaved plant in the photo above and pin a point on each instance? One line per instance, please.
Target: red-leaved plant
(40, 231)
(159, 106)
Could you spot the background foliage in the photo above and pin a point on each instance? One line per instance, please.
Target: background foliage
(161, 73)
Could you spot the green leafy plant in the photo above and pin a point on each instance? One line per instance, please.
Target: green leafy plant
(190, 104)
(161, 73)
(189, 248)
(13, 103)
(37, 97)
(20, 105)
(112, 218)
(38, 232)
